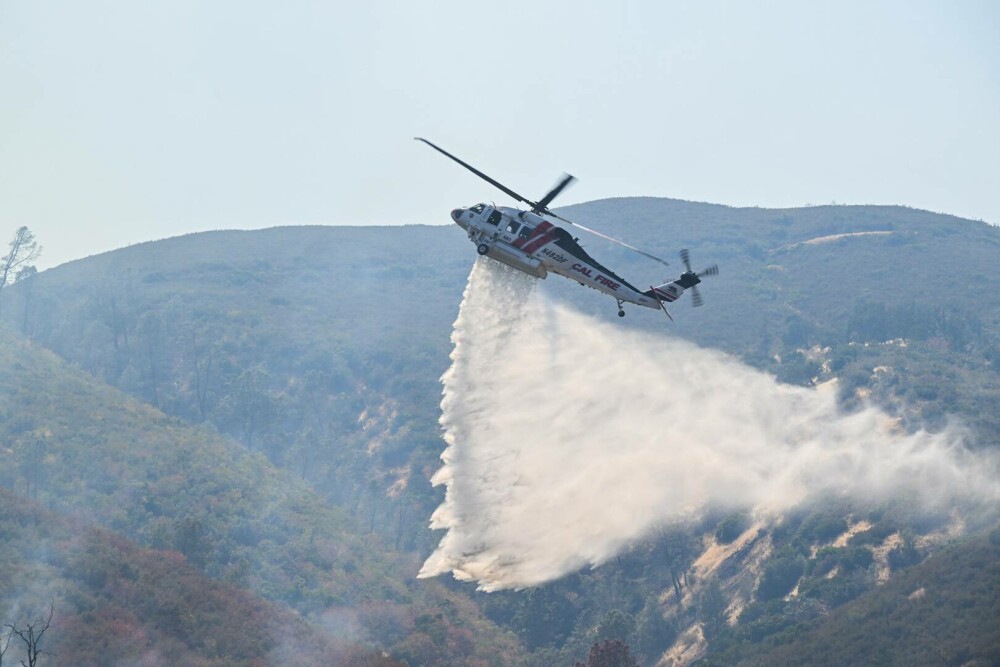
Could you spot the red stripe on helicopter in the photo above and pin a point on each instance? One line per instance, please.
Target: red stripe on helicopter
(538, 231)
(664, 295)
(532, 247)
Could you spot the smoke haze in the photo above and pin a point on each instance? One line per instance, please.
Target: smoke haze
(569, 438)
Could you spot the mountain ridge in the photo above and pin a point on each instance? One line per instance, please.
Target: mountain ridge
(335, 337)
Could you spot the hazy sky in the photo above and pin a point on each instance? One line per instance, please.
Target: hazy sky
(124, 121)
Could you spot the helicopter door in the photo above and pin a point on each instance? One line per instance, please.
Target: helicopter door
(508, 232)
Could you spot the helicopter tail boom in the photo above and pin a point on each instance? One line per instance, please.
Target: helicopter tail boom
(668, 292)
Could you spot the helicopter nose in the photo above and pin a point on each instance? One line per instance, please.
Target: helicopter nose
(457, 213)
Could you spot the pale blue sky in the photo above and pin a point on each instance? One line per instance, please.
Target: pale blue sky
(124, 121)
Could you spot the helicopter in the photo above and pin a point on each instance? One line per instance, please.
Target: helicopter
(525, 240)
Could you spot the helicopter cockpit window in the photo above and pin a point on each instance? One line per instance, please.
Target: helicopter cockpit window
(478, 208)
(494, 218)
(512, 227)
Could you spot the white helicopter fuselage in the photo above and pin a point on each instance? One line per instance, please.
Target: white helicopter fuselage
(528, 242)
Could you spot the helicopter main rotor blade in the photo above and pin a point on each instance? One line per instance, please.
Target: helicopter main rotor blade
(541, 206)
(609, 238)
(543, 203)
(480, 174)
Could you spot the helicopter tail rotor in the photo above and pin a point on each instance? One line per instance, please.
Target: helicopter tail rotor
(686, 258)
(690, 279)
(710, 271)
(696, 299)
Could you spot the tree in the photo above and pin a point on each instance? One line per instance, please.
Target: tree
(609, 654)
(149, 330)
(192, 540)
(731, 528)
(5, 644)
(26, 278)
(202, 355)
(24, 249)
(616, 625)
(32, 450)
(712, 609)
(653, 633)
(251, 407)
(782, 573)
(31, 635)
(544, 617)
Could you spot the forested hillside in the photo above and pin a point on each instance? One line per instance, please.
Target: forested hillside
(320, 348)
(201, 505)
(114, 602)
(281, 426)
(929, 614)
